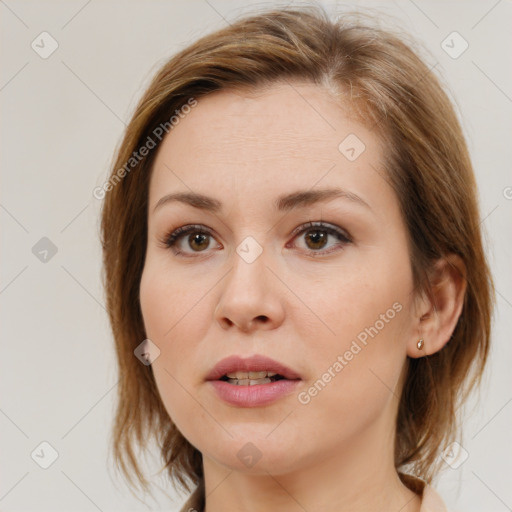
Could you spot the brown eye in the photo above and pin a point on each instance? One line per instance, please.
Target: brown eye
(317, 235)
(316, 239)
(199, 241)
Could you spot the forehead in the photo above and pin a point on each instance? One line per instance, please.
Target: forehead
(283, 137)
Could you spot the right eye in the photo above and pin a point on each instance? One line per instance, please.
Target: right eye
(198, 239)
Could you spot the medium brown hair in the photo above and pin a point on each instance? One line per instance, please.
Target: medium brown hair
(382, 81)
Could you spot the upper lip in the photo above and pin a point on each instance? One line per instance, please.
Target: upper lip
(255, 363)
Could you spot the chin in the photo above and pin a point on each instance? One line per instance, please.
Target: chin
(256, 453)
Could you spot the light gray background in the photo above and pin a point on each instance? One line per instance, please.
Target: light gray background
(61, 120)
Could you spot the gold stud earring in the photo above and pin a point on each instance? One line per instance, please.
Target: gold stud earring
(420, 343)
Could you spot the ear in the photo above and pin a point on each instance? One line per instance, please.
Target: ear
(437, 315)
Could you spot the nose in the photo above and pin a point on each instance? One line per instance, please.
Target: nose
(251, 298)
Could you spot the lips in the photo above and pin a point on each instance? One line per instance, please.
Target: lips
(256, 363)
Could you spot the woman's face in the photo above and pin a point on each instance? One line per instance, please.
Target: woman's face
(332, 302)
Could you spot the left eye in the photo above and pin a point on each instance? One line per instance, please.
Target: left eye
(316, 238)
(317, 235)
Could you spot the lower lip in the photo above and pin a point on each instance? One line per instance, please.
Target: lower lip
(253, 396)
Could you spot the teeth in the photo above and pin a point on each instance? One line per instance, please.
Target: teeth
(249, 375)
(248, 382)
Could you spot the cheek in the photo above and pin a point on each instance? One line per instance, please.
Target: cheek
(364, 300)
(365, 321)
(356, 375)
(170, 319)
(168, 299)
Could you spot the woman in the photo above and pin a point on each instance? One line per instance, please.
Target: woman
(292, 252)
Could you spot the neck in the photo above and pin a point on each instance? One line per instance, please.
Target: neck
(359, 476)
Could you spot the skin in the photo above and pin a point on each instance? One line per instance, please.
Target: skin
(244, 149)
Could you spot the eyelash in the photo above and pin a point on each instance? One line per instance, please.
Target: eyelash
(171, 239)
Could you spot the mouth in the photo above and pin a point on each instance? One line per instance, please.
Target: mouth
(256, 381)
(251, 371)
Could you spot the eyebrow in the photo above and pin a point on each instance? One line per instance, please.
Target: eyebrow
(286, 202)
